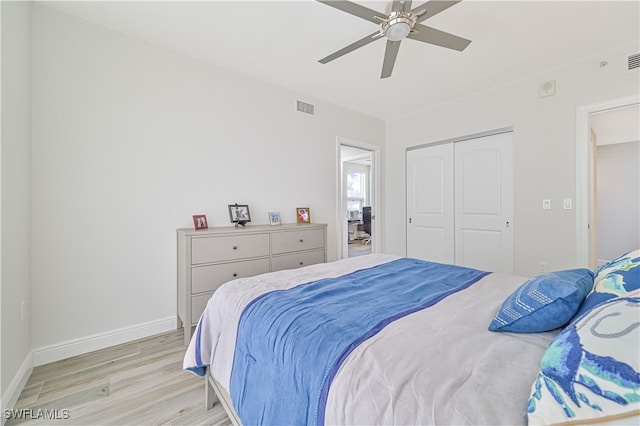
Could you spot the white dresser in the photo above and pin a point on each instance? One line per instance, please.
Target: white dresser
(209, 258)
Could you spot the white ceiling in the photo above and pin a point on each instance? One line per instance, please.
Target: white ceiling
(281, 42)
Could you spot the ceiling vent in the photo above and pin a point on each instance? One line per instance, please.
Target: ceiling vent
(306, 108)
(633, 61)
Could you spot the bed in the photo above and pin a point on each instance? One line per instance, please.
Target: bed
(381, 339)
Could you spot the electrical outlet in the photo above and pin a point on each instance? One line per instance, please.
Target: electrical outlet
(546, 204)
(542, 266)
(567, 204)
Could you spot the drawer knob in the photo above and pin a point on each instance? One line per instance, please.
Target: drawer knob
(235, 274)
(235, 247)
(301, 263)
(301, 240)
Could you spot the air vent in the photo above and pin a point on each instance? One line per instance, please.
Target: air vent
(306, 108)
(633, 61)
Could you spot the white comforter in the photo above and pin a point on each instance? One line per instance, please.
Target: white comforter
(437, 366)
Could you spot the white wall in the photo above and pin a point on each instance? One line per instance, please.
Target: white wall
(544, 150)
(618, 125)
(15, 224)
(618, 182)
(131, 139)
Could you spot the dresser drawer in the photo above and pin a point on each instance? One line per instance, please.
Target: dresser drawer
(297, 260)
(210, 277)
(198, 303)
(287, 242)
(231, 247)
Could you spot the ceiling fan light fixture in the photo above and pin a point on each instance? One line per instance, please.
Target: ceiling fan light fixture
(398, 31)
(398, 25)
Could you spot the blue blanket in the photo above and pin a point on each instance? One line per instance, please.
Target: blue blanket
(291, 343)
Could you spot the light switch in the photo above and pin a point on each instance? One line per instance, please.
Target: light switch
(567, 204)
(546, 204)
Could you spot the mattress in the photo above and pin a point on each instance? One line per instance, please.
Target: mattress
(435, 365)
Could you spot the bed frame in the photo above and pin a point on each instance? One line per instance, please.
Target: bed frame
(213, 387)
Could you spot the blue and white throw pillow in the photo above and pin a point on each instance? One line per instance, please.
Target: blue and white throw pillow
(614, 279)
(590, 373)
(544, 303)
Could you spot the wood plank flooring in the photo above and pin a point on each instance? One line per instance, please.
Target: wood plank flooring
(137, 383)
(358, 248)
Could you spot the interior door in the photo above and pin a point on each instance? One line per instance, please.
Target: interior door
(430, 202)
(484, 203)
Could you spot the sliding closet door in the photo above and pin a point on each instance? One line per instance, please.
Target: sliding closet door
(484, 203)
(460, 203)
(430, 203)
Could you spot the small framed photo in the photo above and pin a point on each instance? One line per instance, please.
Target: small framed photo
(239, 214)
(303, 215)
(200, 222)
(274, 218)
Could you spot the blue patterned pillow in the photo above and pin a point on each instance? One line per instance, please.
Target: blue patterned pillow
(544, 303)
(590, 373)
(616, 278)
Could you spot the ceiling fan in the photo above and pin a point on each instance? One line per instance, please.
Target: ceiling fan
(399, 22)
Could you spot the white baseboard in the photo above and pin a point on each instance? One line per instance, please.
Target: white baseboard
(83, 345)
(11, 395)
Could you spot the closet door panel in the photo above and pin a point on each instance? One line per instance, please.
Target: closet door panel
(480, 249)
(484, 203)
(430, 203)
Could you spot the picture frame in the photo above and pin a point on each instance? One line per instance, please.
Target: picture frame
(239, 214)
(200, 222)
(303, 215)
(274, 218)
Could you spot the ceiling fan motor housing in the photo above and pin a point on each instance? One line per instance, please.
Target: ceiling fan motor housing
(398, 25)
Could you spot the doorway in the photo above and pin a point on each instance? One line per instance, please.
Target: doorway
(358, 198)
(607, 131)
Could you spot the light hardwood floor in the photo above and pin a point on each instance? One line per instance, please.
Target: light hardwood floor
(137, 383)
(358, 248)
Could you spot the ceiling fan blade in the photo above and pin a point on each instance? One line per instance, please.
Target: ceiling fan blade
(432, 8)
(353, 46)
(438, 38)
(354, 9)
(407, 6)
(390, 54)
